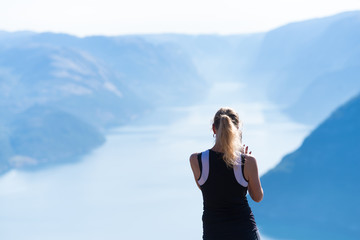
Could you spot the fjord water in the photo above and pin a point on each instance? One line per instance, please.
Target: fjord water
(139, 184)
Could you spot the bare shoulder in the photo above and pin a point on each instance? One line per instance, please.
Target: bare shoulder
(193, 158)
(195, 165)
(250, 161)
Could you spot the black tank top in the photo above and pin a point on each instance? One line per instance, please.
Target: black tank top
(226, 212)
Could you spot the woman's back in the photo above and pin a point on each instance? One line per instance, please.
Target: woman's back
(224, 180)
(227, 214)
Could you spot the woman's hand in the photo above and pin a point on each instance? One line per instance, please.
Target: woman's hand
(246, 149)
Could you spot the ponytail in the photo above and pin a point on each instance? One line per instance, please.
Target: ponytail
(228, 135)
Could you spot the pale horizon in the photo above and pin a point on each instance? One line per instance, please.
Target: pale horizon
(113, 18)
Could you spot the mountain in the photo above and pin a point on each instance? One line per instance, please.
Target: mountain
(218, 58)
(307, 68)
(304, 62)
(295, 66)
(51, 84)
(67, 78)
(95, 73)
(326, 91)
(41, 136)
(313, 192)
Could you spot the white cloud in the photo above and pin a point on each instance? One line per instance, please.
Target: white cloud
(75, 89)
(19, 161)
(113, 17)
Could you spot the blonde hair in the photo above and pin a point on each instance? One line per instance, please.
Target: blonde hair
(228, 134)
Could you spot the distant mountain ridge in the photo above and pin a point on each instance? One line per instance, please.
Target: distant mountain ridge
(52, 84)
(306, 61)
(313, 192)
(41, 136)
(296, 66)
(308, 68)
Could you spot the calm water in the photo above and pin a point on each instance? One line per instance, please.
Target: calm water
(139, 184)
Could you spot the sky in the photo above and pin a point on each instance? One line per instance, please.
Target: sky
(118, 17)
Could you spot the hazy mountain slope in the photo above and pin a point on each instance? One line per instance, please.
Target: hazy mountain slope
(136, 63)
(298, 56)
(52, 75)
(325, 92)
(41, 136)
(292, 65)
(89, 84)
(308, 67)
(313, 192)
(217, 57)
(158, 74)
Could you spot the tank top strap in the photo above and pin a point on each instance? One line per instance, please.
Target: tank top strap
(204, 174)
(239, 171)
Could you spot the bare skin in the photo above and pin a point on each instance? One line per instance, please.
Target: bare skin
(251, 173)
(195, 167)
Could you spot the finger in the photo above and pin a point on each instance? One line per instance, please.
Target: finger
(246, 149)
(250, 153)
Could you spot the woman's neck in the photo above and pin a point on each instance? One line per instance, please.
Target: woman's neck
(217, 148)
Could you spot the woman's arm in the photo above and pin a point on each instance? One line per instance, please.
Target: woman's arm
(195, 167)
(251, 174)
